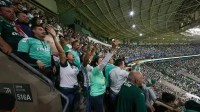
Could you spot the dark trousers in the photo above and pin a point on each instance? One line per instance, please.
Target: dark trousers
(107, 100)
(113, 101)
(72, 94)
(48, 72)
(86, 93)
(97, 103)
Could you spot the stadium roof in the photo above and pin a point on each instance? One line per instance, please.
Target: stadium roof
(146, 20)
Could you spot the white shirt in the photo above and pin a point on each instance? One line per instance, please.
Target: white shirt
(68, 76)
(117, 78)
(87, 75)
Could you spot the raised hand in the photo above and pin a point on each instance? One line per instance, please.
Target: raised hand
(115, 43)
(51, 31)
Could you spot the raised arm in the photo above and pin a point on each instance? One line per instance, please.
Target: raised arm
(169, 107)
(62, 55)
(109, 55)
(89, 55)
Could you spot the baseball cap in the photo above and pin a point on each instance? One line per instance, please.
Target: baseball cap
(69, 51)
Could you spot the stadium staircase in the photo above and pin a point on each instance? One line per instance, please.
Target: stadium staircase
(33, 91)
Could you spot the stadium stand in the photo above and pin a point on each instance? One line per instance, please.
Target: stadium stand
(51, 66)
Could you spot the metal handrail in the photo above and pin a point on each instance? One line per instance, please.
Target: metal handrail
(67, 101)
(33, 70)
(42, 77)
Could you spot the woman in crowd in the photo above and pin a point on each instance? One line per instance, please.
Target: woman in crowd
(97, 79)
(68, 74)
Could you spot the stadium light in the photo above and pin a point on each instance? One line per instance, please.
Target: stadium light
(133, 26)
(131, 13)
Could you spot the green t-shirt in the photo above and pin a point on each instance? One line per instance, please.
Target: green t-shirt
(131, 99)
(77, 60)
(97, 80)
(190, 110)
(36, 49)
(108, 68)
(9, 33)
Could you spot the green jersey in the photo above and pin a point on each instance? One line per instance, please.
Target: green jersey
(190, 110)
(108, 68)
(9, 33)
(131, 99)
(77, 60)
(97, 80)
(36, 49)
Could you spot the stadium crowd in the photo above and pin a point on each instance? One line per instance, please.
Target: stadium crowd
(180, 81)
(135, 52)
(74, 63)
(175, 70)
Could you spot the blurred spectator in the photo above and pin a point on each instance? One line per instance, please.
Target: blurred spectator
(192, 106)
(23, 22)
(167, 99)
(68, 76)
(71, 40)
(117, 77)
(48, 38)
(38, 53)
(107, 70)
(10, 37)
(36, 21)
(7, 103)
(131, 97)
(75, 52)
(150, 97)
(83, 51)
(98, 87)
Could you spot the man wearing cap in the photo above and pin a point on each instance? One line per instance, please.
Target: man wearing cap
(68, 75)
(9, 36)
(37, 52)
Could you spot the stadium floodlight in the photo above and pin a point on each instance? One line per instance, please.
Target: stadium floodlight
(133, 26)
(140, 34)
(131, 13)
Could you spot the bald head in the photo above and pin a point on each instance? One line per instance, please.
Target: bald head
(136, 77)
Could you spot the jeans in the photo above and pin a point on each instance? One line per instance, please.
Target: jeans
(72, 94)
(113, 101)
(97, 103)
